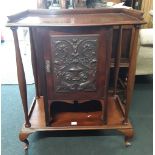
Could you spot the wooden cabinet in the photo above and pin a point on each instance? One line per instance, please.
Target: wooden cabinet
(74, 54)
(76, 61)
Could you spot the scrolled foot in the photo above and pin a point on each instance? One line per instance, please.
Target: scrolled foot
(128, 135)
(23, 138)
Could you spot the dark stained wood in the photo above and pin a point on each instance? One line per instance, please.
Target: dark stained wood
(90, 17)
(126, 39)
(109, 36)
(136, 13)
(125, 45)
(54, 33)
(32, 107)
(114, 119)
(85, 121)
(104, 44)
(103, 53)
(41, 71)
(118, 101)
(131, 72)
(117, 60)
(37, 60)
(21, 76)
(34, 64)
(78, 48)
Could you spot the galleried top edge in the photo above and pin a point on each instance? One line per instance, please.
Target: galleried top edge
(76, 17)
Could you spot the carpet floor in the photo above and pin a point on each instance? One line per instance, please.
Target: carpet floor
(78, 142)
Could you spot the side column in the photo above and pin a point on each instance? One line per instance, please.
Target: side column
(131, 72)
(21, 76)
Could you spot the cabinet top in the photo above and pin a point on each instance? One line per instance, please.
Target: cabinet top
(76, 17)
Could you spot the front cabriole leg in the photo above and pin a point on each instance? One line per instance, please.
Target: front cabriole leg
(23, 135)
(128, 135)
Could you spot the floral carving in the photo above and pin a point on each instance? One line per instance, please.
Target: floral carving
(74, 62)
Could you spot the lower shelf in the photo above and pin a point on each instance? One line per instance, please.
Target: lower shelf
(78, 120)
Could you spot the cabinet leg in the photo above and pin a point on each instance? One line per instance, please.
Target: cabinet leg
(127, 141)
(23, 138)
(128, 135)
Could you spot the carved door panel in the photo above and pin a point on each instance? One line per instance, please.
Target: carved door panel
(76, 62)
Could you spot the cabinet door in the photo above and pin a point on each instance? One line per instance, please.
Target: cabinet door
(76, 62)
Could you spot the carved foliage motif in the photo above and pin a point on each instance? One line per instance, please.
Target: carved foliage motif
(74, 62)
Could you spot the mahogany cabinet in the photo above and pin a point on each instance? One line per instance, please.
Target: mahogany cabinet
(77, 58)
(76, 62)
